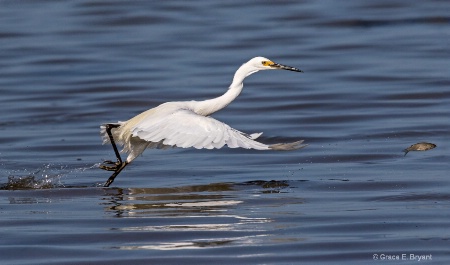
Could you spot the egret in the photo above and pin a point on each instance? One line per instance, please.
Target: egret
(187, 124)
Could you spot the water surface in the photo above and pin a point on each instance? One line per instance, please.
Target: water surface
(376, 81)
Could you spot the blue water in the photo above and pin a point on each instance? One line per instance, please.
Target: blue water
(376, 80)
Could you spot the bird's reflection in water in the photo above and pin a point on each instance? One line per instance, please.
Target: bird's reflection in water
(179, 245)
(170, 201)
(202, 216)
(179, 200)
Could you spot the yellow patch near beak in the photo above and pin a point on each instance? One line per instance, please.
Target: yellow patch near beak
(268, 63)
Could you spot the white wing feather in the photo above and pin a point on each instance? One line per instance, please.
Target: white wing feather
(184, 128)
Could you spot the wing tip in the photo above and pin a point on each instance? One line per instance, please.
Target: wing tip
(254, 136)
(288, 146)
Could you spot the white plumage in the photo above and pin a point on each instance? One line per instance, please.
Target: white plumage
(187, 124)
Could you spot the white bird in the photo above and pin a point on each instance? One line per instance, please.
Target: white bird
(187, 124)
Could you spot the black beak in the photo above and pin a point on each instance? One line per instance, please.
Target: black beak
(285, 67)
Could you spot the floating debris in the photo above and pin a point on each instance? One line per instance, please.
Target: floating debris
(420, 147)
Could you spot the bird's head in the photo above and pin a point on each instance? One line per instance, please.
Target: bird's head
(261, 63)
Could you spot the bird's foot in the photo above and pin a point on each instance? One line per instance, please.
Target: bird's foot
(115, 165)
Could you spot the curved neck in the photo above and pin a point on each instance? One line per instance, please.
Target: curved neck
(208, 107)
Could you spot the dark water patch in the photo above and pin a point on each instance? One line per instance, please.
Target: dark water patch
(418, 96)
(402, 132)
(9, 35)
(133, 20)
(104, 87)
(375, 185)
(62, 61)
(351, 158)
(436, 197)
(373, 23)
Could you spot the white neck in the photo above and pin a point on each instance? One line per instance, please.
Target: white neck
(208, 107)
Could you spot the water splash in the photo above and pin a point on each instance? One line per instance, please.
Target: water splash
(28, 182)
(46, 177)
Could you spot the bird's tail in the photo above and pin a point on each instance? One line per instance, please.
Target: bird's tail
(103, 132)
(288, 146)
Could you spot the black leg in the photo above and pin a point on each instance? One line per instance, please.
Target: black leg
(114, 175)
(119, 162)
(115, 166)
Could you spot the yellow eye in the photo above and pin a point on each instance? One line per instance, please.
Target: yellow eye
(267, 63)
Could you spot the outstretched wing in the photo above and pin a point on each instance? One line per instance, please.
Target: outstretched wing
(184, 128)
